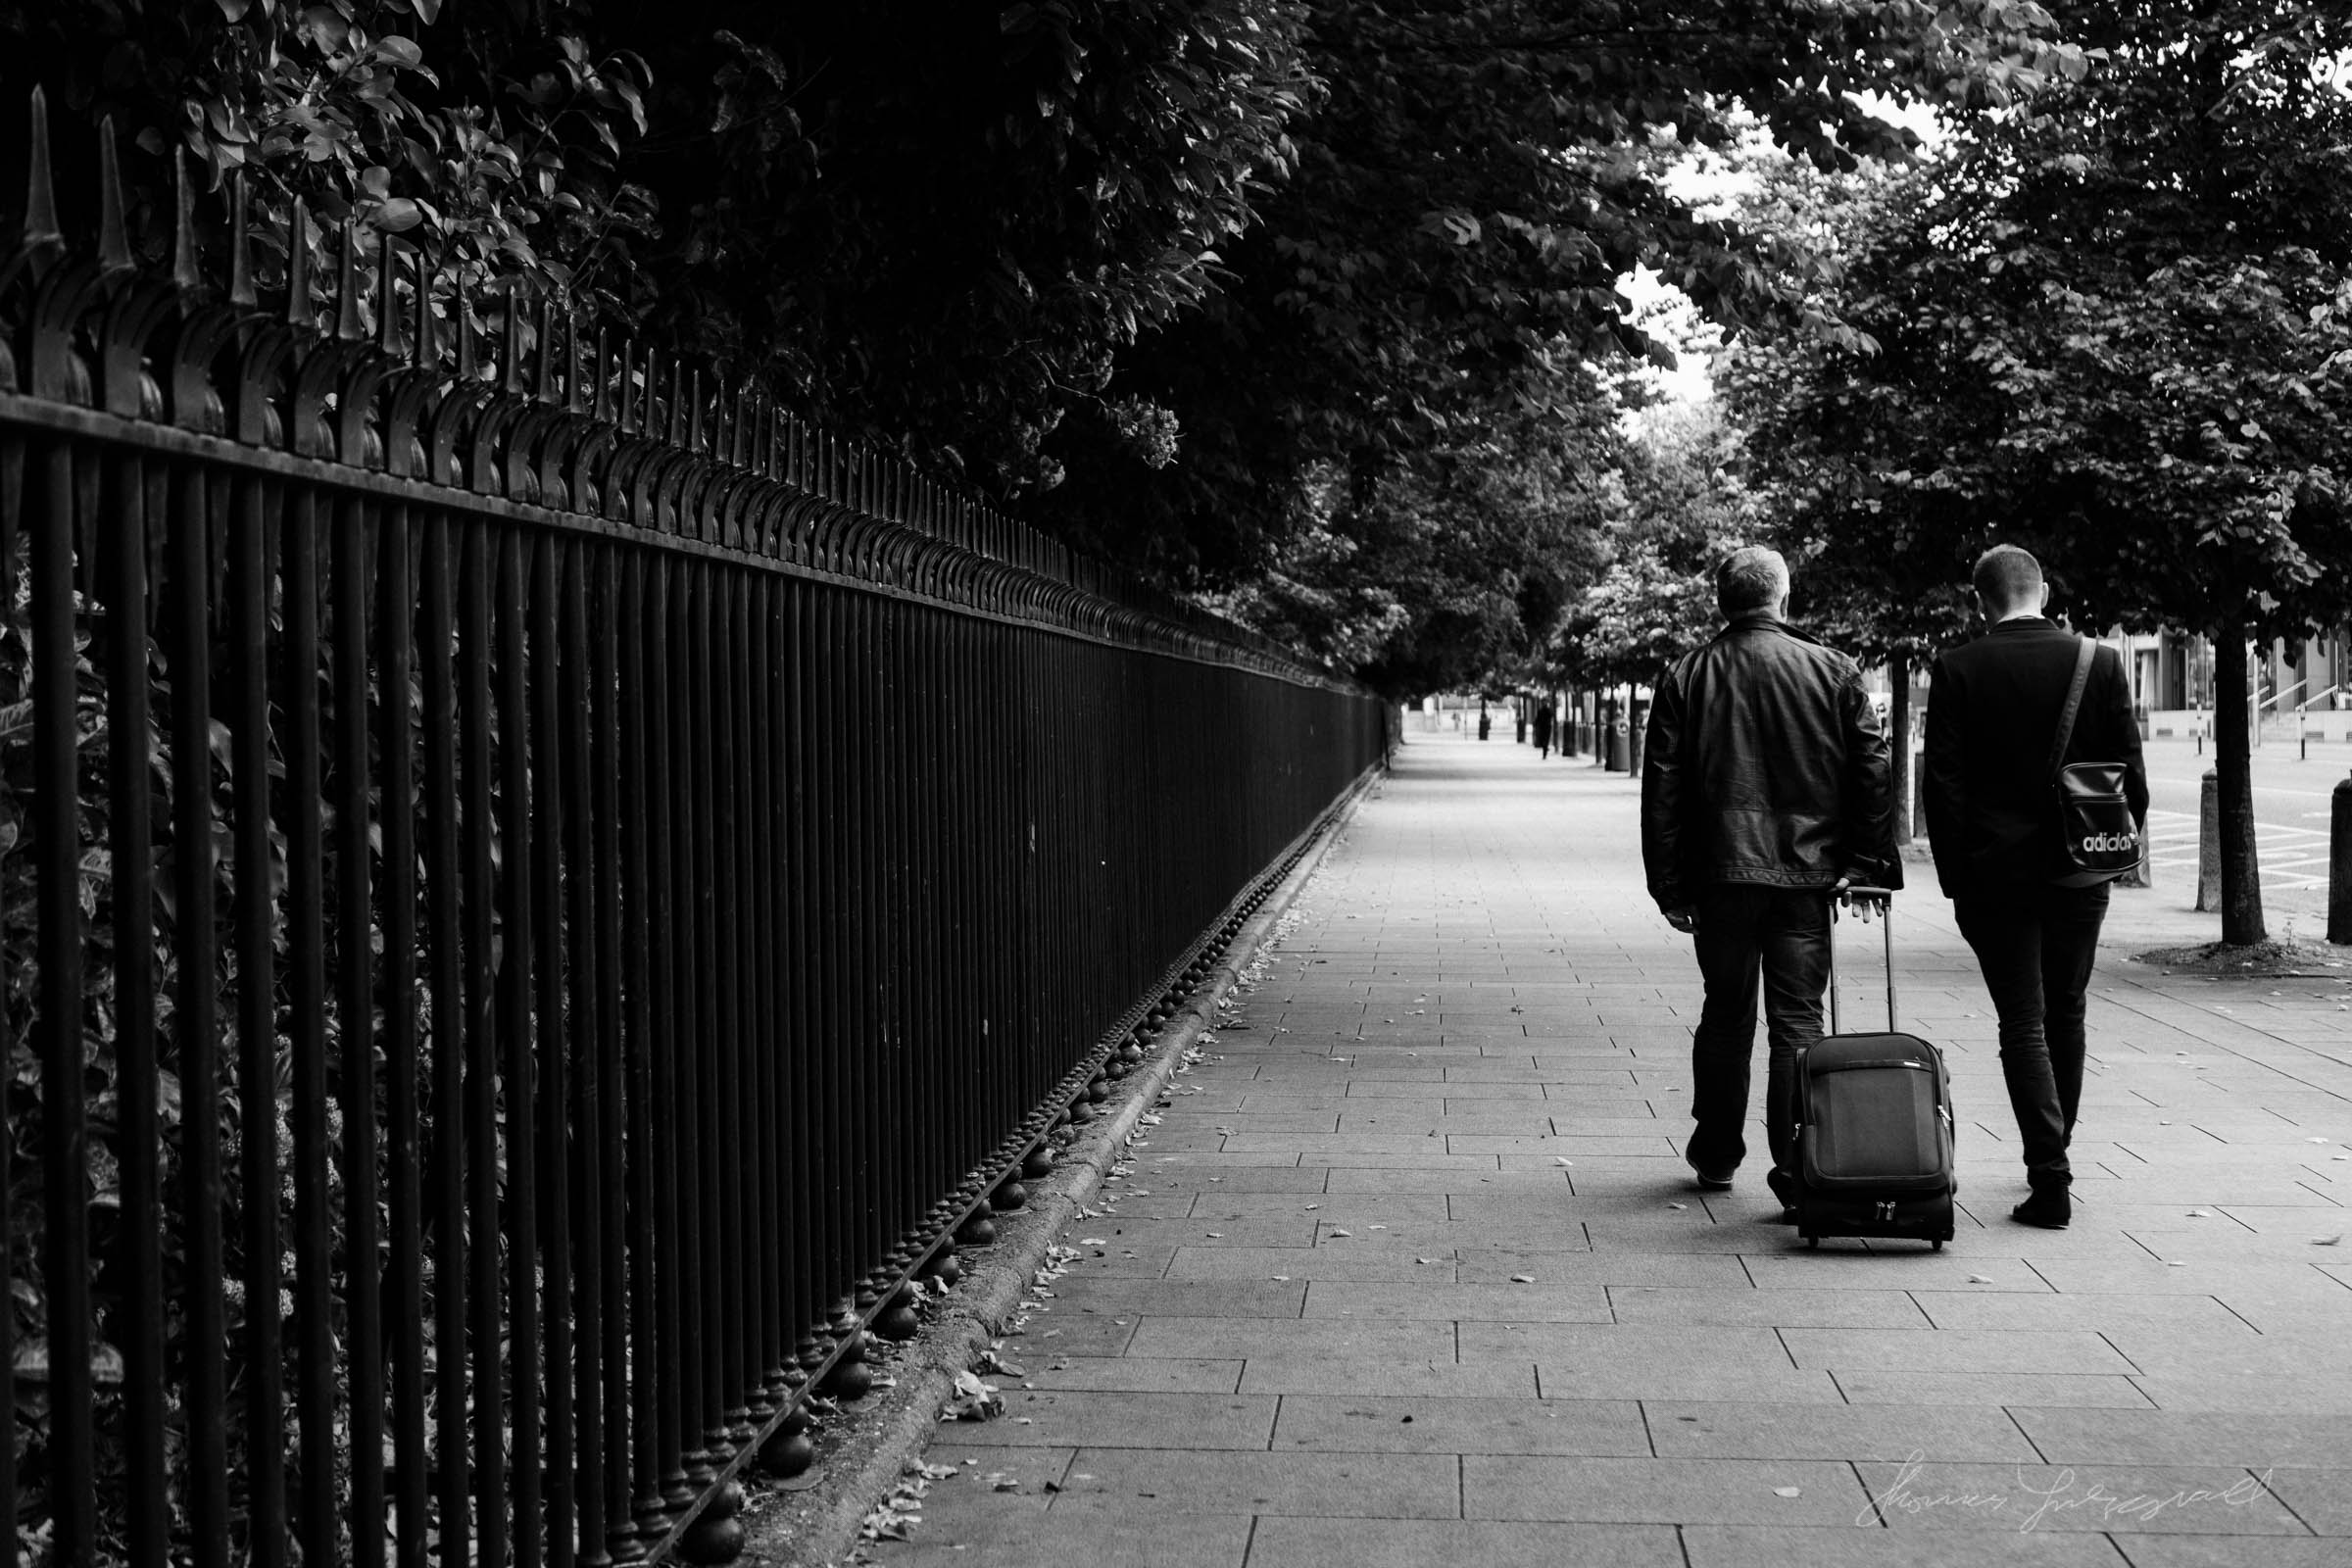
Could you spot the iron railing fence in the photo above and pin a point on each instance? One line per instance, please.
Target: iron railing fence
(538, 890)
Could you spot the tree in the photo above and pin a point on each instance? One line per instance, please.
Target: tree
(1681, 505)
(2113, 329)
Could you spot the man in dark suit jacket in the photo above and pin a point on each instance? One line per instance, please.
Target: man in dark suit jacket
(1993, 715)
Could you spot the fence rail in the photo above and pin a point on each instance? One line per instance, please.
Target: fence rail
(538, 888)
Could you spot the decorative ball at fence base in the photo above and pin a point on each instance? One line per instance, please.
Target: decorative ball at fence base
(729, 1501)
(849, 1380)
(1098, 1089)
(978, 1231)
(1039, 1164)
(1012, 1195)
(1131, 1052)
(1081, 1111)
(897, 1323)
(797, 1422)
(946, 1268)
(712, 1540)
(787, 1455)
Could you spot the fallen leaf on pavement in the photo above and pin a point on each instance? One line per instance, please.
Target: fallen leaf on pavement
(974, 1400)
(1786, 1492)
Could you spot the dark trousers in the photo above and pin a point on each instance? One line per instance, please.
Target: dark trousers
(1746, 936)
(2036, 945)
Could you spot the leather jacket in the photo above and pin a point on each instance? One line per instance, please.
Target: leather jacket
(1765, 763)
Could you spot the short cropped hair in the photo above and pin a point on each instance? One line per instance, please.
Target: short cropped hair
(1751, 578)
(2008, 577)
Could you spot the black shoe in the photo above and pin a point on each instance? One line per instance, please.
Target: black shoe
(1783, 1187)
(2049, 1208)
(1712, 1181)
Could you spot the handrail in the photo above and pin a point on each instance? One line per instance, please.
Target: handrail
(2277, 697)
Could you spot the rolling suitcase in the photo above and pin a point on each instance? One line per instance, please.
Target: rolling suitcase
(1875, 1127)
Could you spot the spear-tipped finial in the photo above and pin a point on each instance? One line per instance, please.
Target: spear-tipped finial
(424, 350)
(387, 297)
(348, 326)
(113, 244)
(40, 186)
(241, 245)
(513, 369)
(543, 387)
(576, 353)
(297, 268)
(186, 274)
(462, 321)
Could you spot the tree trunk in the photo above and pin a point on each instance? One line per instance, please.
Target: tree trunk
(2233, 788)
(1898, 740)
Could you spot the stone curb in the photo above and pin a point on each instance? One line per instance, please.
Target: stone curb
(871, 1450)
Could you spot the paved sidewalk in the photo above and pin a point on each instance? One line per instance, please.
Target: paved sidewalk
(1412, 1271)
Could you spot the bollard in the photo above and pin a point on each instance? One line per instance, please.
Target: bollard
(2209, 842)
(2339, 862)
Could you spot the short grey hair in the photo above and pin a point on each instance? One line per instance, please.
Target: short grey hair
(1751, 578)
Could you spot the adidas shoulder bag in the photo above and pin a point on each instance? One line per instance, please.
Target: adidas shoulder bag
(2099, 840)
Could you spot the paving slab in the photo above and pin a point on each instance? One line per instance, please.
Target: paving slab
(2256, 1441)
(1403, 1424)
(956, 1534)
(1649, 1491)
(1827, 1547)
(1062, 1418)
(1363, 1486)
(1759, 1430)
(1296, 1543)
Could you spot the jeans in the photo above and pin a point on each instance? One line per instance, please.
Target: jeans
(2036, 945)
(1748, 933)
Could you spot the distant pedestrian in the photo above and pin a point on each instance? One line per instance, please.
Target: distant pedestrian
(1765, 793)
(1993, 707)
(1543, 729)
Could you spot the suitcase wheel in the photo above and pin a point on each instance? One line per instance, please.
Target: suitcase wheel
(1813, 1241)
(1938, 1243)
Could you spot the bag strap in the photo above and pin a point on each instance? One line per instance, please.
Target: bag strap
(2086, 651)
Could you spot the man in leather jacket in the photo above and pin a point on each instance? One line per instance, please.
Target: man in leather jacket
(1765, 793)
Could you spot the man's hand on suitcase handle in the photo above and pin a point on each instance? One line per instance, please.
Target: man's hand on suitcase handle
(1866, 902)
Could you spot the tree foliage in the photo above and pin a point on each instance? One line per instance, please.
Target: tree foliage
(939, 225)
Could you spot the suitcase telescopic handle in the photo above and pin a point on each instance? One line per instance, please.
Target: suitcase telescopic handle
(1884, 898)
